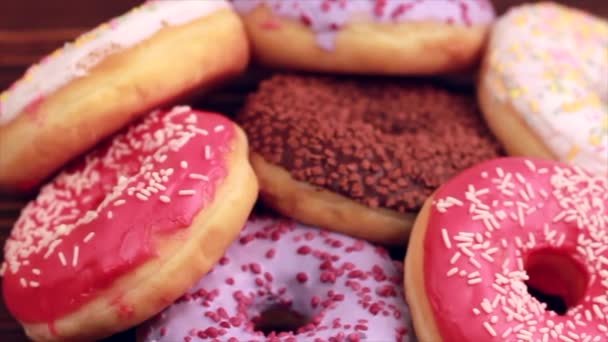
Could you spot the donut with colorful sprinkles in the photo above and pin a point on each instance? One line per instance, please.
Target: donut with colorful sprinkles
(126, 230)
(94, 86)
(389, 37)
(513, 249)
(546, 95)
(341, 289)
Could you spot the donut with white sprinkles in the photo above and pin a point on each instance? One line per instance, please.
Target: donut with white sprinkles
(130, 227)
(524, 245)
(345, 289)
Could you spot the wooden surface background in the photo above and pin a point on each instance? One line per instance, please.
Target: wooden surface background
(29, 29)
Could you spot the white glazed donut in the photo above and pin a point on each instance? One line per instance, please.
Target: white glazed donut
(347, 288)
(92, 87)
(543, 87)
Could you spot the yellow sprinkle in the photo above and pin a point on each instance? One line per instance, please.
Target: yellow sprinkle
(535, 106)
(572, 153)
(521, 20)
(595, 140)
(516, 92)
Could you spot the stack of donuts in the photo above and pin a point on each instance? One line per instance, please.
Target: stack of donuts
(360, 193)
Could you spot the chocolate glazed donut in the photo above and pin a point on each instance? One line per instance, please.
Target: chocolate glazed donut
(359, 156)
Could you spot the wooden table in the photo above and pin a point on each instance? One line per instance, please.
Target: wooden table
(30, 29)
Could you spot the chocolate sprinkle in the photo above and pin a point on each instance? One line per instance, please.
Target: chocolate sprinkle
(383, 143)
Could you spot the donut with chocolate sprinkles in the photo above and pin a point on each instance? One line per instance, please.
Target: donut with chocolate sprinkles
(359, 155)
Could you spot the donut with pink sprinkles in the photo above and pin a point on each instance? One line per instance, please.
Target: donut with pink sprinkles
(345, 289)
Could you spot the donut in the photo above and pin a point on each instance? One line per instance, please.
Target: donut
(524, 244)
(126, 230)
(403, 37)
(546, 95)
(359, 155)
(92, 87)
(343, 289)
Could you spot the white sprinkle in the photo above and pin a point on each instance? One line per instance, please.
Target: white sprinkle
(198, 176)
(34, 284)
(572, 334)
(473, 274)
(52, 247)
(164, 199)
(88, 237)
(520, 178)
(559, 216)
(119, 202)
(543, 170)
(188, 192)
(467, 252)
(487, 257)
(461, 238)
(500, 172)
(530, 165)
(507, 332)
(561, 240)
(23, 282)
(36, 271)
(455, 257)
(75, 257)
(62, 259)
(446, 238)
(207, 152)
(110, 214)
(529, 190)
(474, 262)
(474, 281)
(141, 196)
(476, 311)
(565, 338)
(195, 129)
(452, 271)
(602, 328)
(484, 174)
(455, 201)
(494, 319)
(218, 128)
(598, 311)
(499, 288)
(184, 164)
(489, 328)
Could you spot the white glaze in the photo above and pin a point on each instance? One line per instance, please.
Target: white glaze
(555, 78)
(75, 59)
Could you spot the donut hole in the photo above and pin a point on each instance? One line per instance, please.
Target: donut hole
(279, 318)
(556, 279)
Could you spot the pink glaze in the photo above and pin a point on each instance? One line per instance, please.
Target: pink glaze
(94, 222)
(351, 289)
(486, 223)
(326, 17)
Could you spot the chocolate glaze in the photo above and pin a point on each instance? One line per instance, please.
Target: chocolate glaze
(381, 142)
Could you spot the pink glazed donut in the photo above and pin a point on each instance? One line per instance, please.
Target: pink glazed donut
(419, 37)
(512, 249)
(349, 290)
